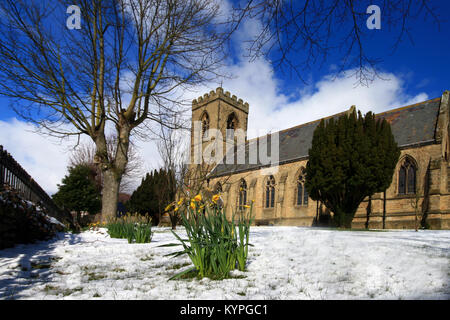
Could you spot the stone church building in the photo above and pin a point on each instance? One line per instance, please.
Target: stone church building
(421, 178)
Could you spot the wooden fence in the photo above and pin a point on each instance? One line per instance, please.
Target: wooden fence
(12, 173)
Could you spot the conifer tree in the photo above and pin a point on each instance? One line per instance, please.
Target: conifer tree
(156, 191)
(351, 158)
(78, 191)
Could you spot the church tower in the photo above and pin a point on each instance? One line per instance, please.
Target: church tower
(212, 114)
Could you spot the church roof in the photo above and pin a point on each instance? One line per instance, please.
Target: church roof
(411, 125)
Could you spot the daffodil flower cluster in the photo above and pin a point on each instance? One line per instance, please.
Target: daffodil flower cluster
(215, 244)
(198, 202)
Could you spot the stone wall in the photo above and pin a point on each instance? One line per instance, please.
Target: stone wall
(399, 210)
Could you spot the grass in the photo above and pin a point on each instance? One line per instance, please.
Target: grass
(45, 265)
(238, 276)
(61, 272)
(68, 292)
(49, 288)
(64, 292)
(179, 266)
(147, 257)
(95, 276)
(189, 275)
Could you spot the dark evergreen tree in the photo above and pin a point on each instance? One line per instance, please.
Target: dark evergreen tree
(156, 191)
(351, 158)
(78, 191)
(167, 195)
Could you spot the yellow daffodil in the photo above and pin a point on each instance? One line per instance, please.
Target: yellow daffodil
(176, 209)
(198, 197)
(180, 201)
(193, 205)
(168, 207)
(215, 198)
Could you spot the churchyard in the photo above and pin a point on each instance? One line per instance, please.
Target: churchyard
(283, 263)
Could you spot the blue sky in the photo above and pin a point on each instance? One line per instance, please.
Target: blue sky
(421, 61)
(415, 71)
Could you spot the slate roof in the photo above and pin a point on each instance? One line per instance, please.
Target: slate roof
(414, 124)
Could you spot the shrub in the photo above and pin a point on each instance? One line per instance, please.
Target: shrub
(22, 221)
(213, 245)
(78, 191)
(137, 228)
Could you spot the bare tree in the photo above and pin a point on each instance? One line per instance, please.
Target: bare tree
(128, 64)
(172, 148)
(172, 144)
(297, 34)
(84, 153)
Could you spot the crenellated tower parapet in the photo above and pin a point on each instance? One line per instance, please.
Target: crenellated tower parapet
(226, 96)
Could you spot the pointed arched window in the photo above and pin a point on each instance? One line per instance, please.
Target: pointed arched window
(302, 194)
(270, 192)
(232, 121)
(205, 124)
(407, 177)
(231, 125)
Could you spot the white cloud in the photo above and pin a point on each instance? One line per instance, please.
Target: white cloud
(44, 158)
(271, 109)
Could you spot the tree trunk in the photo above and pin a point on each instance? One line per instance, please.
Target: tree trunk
(348, 218)
(316, 220)
(384, 209)
(339, 217)
(79, 218)
(110, 195)
(173, 221)
(415, 219)
(344, 217)
(368, 212)
(113, 169)
(157, 218)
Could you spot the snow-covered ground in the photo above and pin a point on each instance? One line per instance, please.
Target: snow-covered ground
(285, 263)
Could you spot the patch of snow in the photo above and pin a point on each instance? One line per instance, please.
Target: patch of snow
(284, 263)
(54, 220)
